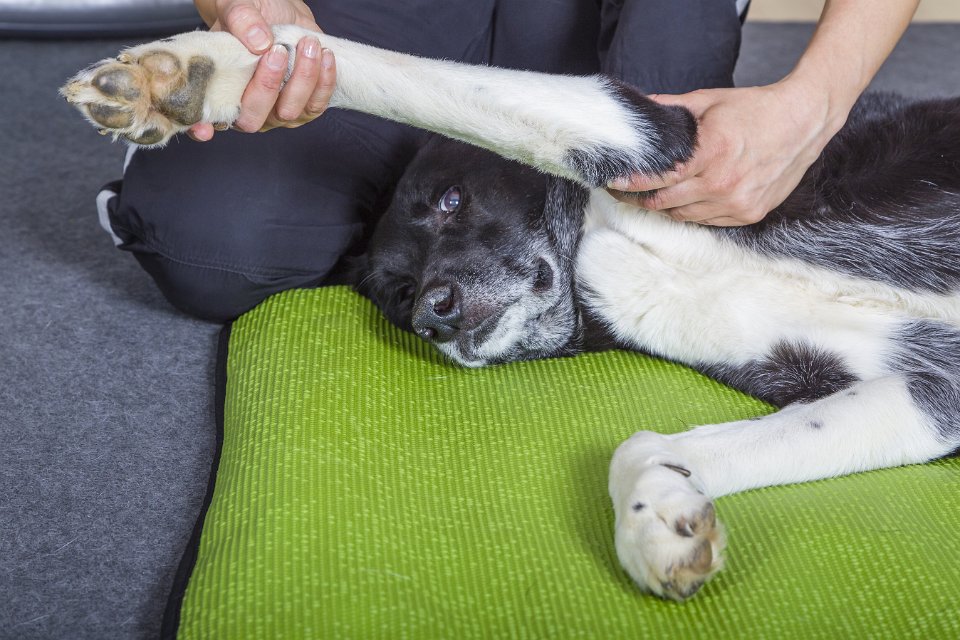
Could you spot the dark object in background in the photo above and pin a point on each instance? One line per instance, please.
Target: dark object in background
(95, 18)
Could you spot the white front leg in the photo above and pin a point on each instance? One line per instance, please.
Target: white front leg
(588, 129)
(667, 537)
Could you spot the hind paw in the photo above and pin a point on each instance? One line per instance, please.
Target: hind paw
(150, 93)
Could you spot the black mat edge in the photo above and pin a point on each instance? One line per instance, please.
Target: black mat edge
(171, 614)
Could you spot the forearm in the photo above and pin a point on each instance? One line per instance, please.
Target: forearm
(852, 39)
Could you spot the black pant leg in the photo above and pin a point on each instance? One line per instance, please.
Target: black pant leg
(670, 46)
(551, 36)
(222, 225)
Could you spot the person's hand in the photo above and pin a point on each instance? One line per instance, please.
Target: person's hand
(264, 105)
(754, 146)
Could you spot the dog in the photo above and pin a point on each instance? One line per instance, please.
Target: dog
(841, 306)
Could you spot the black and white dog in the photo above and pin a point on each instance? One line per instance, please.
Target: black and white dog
(842, 307)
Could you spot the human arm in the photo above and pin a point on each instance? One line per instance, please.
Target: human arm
(264, 105)
(755, 143)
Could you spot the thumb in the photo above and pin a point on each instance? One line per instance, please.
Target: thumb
(243, 19)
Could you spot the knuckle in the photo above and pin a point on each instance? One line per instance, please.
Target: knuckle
(287, 113)
(753, 216)
(270, 81)
(305, 68)
(315, 110)
(237, 16)
(326, 84)
(249, 123)
(653, 200)
(743, 208)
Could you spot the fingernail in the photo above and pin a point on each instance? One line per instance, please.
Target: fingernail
(326, 61)
(312, 48)
(619, 183)
(258, 38)
(277, 58)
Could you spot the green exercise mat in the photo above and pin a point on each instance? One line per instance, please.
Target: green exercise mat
(366, 488)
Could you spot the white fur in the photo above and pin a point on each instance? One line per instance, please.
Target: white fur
(683, 292)
(531, 117)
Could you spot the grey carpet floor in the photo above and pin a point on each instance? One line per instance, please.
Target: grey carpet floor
(106, 393)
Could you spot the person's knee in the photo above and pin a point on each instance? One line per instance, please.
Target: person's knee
(215, 294)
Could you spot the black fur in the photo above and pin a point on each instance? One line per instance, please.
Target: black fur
(673, 139)
(882, 202)
(790, 373)
(929, 355)
(489, 251)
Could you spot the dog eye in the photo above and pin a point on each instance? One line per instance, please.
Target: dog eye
(450, 200)
(407, 292)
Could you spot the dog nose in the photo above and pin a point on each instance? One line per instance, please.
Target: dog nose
(436, 314)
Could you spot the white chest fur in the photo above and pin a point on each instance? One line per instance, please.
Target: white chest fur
(686, 293)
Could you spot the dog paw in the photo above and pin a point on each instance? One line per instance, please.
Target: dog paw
(668, 538)
(149, 93)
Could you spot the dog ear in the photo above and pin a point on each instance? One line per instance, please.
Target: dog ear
(563, 216)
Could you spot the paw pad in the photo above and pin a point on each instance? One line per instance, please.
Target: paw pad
(144, 97)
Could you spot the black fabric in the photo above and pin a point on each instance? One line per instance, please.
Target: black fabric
(222, 225)
(670, 46)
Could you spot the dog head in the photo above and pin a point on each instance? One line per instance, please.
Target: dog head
(466, 258)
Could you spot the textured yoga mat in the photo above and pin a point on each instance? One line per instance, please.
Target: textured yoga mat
(368, 489)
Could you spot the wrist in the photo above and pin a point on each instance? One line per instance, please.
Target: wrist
(820, 106)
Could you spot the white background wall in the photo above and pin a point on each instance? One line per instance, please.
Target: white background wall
(809, 10)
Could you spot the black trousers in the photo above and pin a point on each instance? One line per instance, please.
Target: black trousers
(222, 225)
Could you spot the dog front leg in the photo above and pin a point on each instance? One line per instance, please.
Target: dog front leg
(588, 129)
(667, 535)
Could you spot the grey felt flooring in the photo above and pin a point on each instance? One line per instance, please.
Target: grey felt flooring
(106, 393)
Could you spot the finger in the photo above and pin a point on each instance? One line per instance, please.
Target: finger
(303, 80)
(261, 93)
(201, 132)
(684, 194)
(723, 221)
(243, 19)
(625, 197)
(700, 212)
(640, 182)
(696, 102)
(320, 99)
(683, 172)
